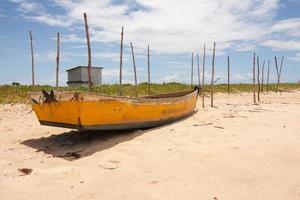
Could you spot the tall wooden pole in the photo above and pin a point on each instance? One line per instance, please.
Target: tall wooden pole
(148, 56)
(192, 70)
(278, 72)
(121, 62)
(228, 74)
(268, 76)
(199, 81)
(134, 70)
(281, 66)
(57, 61)
(203, 76)
(32, 58)
(258, 81)
(212, 77)
(262, 77)
(89, 51)
(254, 87)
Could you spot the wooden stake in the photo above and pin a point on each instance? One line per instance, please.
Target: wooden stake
(134, 70)
(32, 58)
(228, 74)
(203, 76)
(199, 81)
(121, 62)
(89, 51)
(258, 81)
(212, 77)
(57, 62)
(278, 72)
(268, 76)
(254, 87)
(192, 70)
(149, 90)
(262, 77)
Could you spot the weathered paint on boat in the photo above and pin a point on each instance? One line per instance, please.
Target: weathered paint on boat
(91, 111)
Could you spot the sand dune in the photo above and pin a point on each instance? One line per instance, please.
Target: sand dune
(234, 151)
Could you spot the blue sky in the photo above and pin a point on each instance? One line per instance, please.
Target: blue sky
(173, 29)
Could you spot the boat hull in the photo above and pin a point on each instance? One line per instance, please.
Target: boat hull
(90, 111)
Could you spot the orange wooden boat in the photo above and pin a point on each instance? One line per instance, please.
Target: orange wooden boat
(92, 111)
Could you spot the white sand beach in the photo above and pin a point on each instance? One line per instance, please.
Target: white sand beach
(234, 151)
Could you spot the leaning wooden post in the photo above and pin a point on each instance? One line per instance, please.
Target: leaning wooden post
(268, 76)
(258, 81)
(121, 63)
(212, 77)
(89, 51)
(276, 65)
(32, 58)
(192, 70)
(203, 76)
(262, 77)
(57, 62)
(278, 72)
(148, 56)
(254, 87)
(199, 81)
(134, 70)
(228, 74)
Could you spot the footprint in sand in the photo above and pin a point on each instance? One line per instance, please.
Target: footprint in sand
(110, 165)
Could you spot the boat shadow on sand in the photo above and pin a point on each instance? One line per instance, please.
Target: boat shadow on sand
(73, 145)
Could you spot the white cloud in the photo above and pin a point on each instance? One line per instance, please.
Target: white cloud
(170, 78)
(296, 57)
(50, 20)
(26, 6)
(170, 26)
(290, 27)
(282, 44)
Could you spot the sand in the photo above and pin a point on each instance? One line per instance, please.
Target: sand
(234, 151)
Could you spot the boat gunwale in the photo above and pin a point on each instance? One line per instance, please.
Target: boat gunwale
(151, 98)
